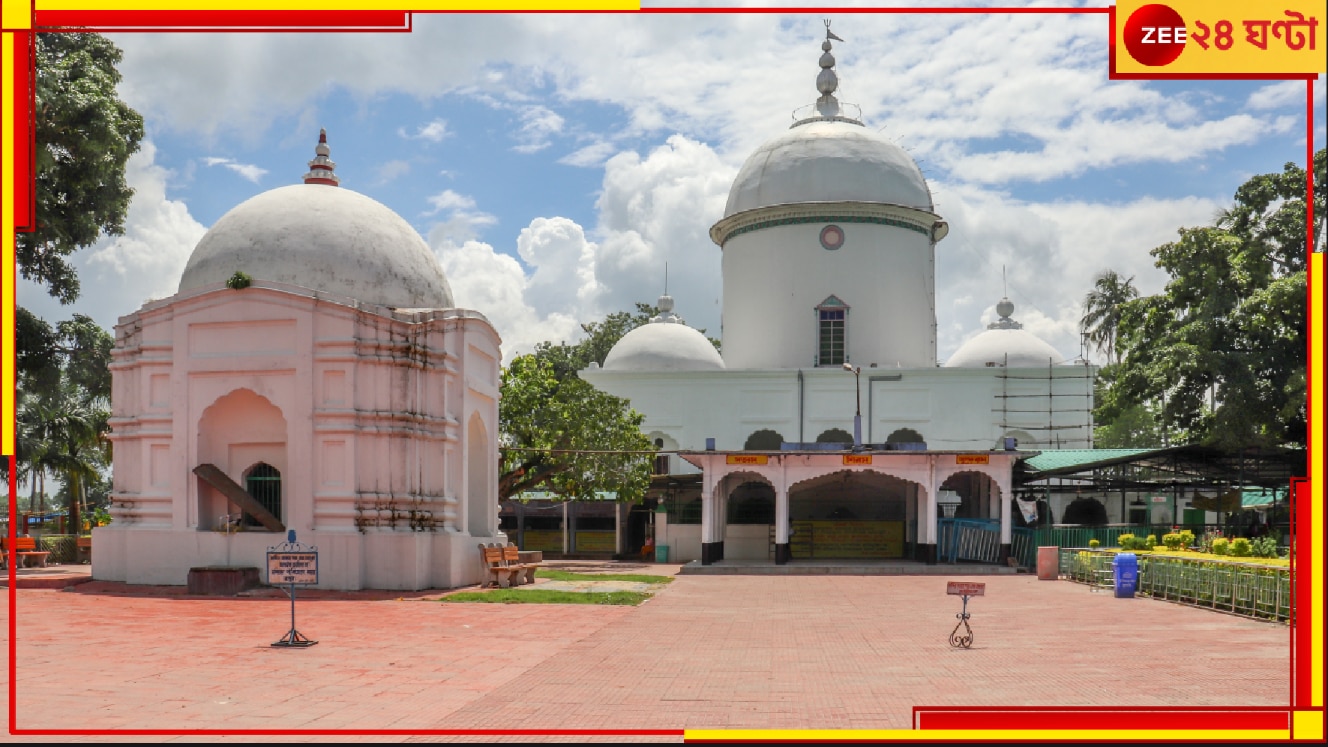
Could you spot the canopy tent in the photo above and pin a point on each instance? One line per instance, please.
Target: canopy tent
(1189, 468)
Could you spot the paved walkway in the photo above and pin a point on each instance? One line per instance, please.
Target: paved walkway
(706, 652)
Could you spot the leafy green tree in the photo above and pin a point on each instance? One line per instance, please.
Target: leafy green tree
(560, 434)
(1219, 355)
(85, 135)
(563, 436)
(1102, 309)
(600, 337)
(64, 408)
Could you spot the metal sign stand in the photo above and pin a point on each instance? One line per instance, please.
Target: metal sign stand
(294, 637)
(964, 590)
(956, 640)
(293, 563)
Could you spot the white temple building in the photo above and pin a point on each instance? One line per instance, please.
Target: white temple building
(311, 374)
(827, 412)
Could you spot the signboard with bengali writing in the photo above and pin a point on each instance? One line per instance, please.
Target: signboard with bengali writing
(858, 459)
(966, 589)
(748, 459)
(847, 539)
(972, 459)
(292, 568)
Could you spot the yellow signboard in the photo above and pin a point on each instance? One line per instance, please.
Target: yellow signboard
(596, 540)
(972, 459)
(748, 459)
(858, 459)
(1235, 38)
(847, 539)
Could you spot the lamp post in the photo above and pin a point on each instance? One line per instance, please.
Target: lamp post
(948, 500)
(857, 409)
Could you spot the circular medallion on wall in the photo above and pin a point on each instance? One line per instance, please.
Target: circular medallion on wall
(832, 237)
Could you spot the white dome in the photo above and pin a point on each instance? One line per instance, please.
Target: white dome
(1023, 348)
(828, 161)
(324, 238)
(663, 345)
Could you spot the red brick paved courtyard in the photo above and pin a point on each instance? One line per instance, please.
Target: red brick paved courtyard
(708, 652)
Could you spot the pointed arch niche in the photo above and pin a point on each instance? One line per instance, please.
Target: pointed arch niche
(237, 432)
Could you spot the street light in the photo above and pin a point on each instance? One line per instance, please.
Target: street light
(857, 410)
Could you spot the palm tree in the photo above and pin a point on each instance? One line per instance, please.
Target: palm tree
(33, 448)
(64, 432)
(1102, 311)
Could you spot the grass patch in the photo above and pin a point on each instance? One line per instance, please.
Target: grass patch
(540, 596)
(640, 578)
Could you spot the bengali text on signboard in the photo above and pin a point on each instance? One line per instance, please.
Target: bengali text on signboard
(966, 589)
(847, 539)
(292, 568)
(858, 459)
(748, 459)
(972, 459)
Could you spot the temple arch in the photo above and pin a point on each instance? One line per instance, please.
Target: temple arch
(238, 431)
(481, 511)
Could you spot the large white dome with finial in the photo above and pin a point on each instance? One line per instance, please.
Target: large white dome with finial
(828, 161)
(1005, 343)
(323, 237)
(663, 344)
(828, 156)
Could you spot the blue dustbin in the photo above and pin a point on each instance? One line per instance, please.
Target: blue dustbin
(661, 553)
(1126, 570)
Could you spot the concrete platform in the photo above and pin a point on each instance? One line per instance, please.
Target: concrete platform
(51, 577)
(842, 568)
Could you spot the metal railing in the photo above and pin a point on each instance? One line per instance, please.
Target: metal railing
(1247, 589)
(62, 548)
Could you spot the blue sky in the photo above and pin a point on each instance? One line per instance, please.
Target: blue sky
(555, 163)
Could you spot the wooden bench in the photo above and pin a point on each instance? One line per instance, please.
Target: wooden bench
(496, 569)
(24, 548)
(84, 549)
(525, 572)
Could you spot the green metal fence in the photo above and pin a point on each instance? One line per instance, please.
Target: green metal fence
(1247, 589)
(1079, 536)
(61, 547)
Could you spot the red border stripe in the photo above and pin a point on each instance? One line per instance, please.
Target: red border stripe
(24, 134)
(1302, 592)
(156, 19)
(1109, 719)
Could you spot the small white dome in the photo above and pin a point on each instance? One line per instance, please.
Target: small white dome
(663, 344)
(324, 238)
(1015, 348)
(828, 161)
(1005, 343)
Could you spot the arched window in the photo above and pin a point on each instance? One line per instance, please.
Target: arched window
(661, 466)
(831, 332)
(764, 440)
(263, 482)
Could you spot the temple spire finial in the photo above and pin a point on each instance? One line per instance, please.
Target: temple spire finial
(827, 82)
(321, 169)
(665, 303)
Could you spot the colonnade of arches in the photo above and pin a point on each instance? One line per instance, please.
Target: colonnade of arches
(846, 513)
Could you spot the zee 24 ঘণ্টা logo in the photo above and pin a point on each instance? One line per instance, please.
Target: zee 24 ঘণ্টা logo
(1155, 35)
